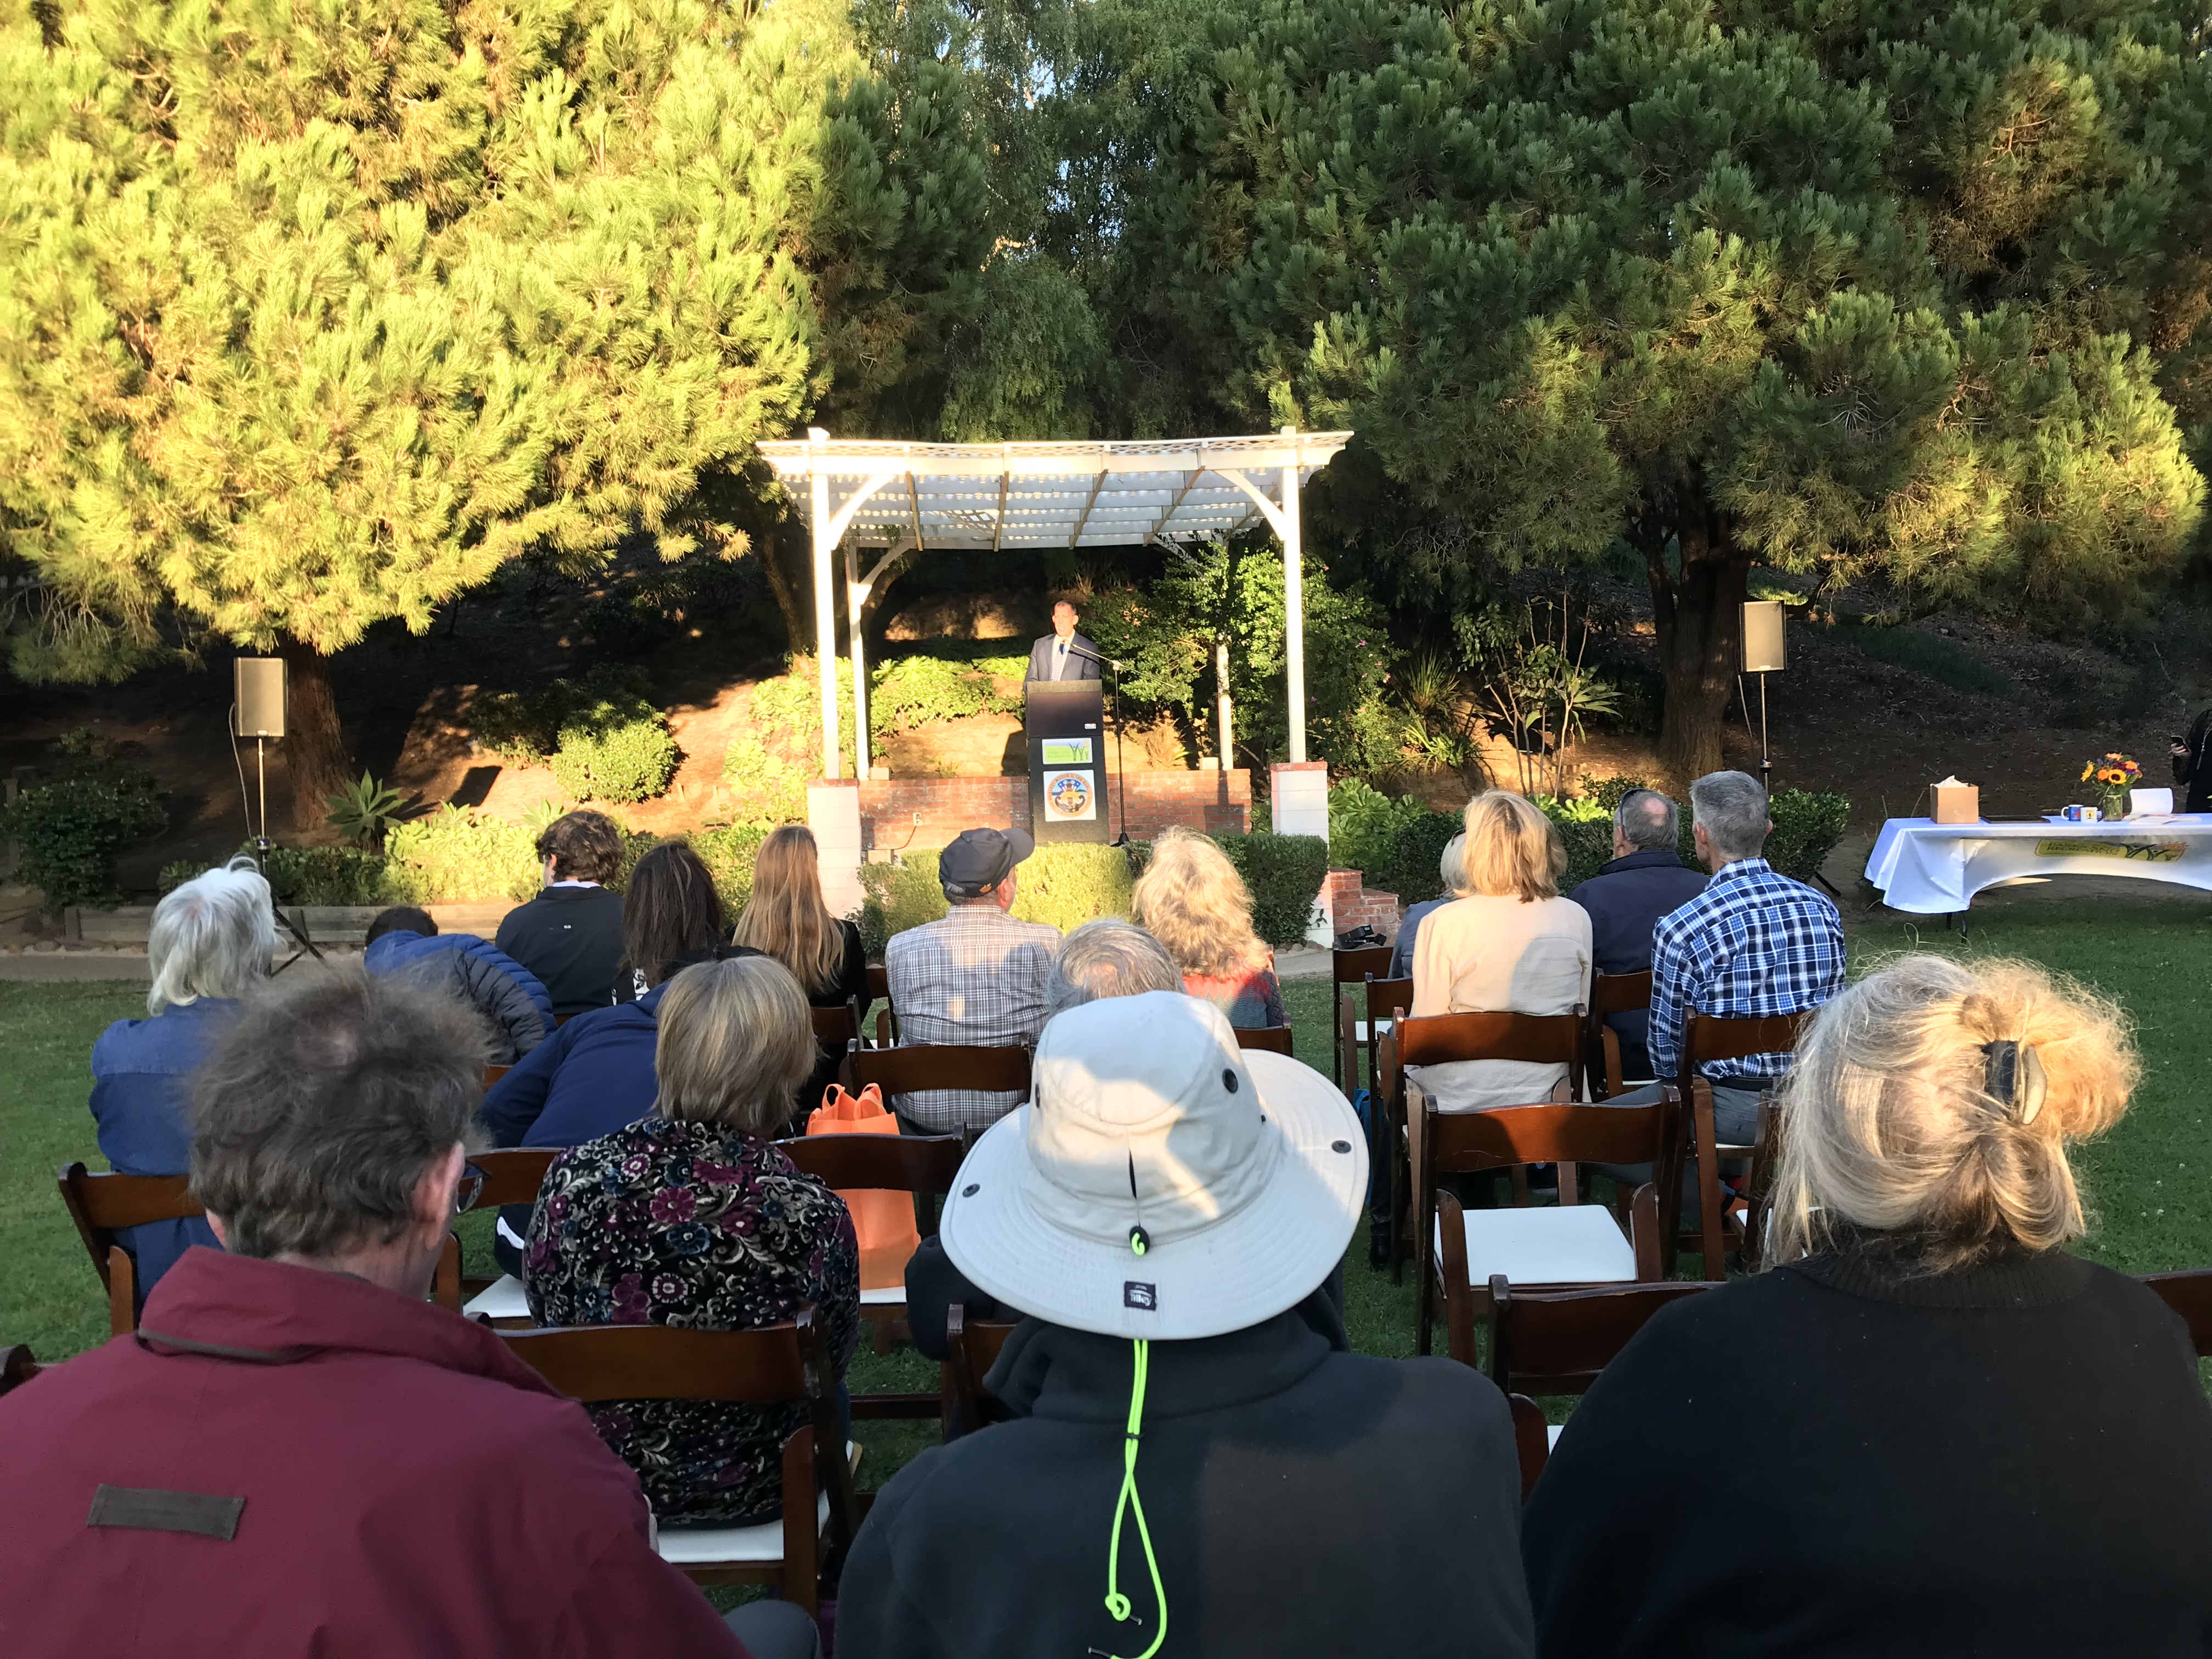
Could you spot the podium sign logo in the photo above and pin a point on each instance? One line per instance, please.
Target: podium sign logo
(1068, 797)
(1068, 751)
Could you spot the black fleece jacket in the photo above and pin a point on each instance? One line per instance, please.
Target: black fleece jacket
(1839, 1458)
(1303, 1500)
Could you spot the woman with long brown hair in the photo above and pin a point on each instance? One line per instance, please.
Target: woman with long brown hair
(788, 918)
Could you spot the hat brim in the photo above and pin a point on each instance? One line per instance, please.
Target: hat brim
(1268, 1257)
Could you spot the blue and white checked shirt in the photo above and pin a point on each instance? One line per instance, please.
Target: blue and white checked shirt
(1753, 943)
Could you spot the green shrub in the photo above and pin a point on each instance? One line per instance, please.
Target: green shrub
(910, 691)
(769, 789)
(729, 852)
(364, 812)
(453, 854)
(1284, 873)
(617, 748)
(1364, 825)
(1410, 868)
(70, 830)
(899, 896)
(1064, 884)
(328, 875)
(1586, 828)
(1806, 827)
(1943, 660)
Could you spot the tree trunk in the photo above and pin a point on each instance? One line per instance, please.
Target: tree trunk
(314, 747)
(1697, 609)
(798, 619)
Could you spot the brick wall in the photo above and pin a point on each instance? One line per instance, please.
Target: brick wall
(1348, 903)
(1220, 802)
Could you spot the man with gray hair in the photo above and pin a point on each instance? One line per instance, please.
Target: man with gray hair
(1625, 899)
(297, 1451)
(210, 943)
(1108, 958)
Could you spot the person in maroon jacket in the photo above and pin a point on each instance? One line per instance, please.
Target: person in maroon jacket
(297, 1452)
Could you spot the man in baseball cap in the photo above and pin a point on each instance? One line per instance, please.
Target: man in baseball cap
(976, 977)
(1198, 1464)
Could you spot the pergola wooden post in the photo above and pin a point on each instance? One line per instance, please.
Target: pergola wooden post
(1041, 495)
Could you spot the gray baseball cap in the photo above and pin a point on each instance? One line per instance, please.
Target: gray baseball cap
(979, 859)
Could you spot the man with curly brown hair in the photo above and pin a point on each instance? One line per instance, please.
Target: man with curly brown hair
(571, 934)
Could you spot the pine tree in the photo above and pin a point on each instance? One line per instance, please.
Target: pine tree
(313, 316)
(1871, 286)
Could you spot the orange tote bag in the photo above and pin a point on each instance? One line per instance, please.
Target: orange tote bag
(883, 1221)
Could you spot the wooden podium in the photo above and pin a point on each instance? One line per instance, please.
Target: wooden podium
(1067, 761)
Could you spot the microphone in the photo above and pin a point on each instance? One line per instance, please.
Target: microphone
(1078, 651)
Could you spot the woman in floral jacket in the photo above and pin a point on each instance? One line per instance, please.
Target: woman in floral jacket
(691, 1217)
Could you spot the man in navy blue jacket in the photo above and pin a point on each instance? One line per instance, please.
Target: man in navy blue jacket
(406, 940)
(1644, 881)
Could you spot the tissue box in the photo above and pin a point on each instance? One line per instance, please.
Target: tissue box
(1956, 802)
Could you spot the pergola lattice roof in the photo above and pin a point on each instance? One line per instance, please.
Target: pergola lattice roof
(1044, 495)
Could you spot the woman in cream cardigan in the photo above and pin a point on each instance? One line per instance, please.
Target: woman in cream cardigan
(1512, 945)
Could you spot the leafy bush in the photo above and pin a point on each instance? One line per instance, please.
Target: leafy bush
(453, 854)
(1806, 827)
(364, 812)
(769, 789)
(70, 830)
(899, 896)
(910, 691)
(1586, 826)
(1943, 660)
(1364, 825)
(306, 875)
(1064, 884)
(615, 748)
(728, 853)
(1284, 873)
(1411, 869)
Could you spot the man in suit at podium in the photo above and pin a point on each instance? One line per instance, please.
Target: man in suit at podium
(1063, 654)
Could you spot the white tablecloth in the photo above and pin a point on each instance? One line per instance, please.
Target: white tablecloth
(1936, 869)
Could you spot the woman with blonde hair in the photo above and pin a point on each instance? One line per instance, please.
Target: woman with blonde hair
(1192, 900)
(1950, 1436)
(691, 1216)
(786, 918)
(1511, 944)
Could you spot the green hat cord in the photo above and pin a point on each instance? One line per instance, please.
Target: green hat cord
(1116, 1603)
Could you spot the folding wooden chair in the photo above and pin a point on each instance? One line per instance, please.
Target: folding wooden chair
(905, 1070)
(102, 1206)
(879, 990)
(2189, 1293)
(838, 1026)
(971, 1348)
(1275, 1039)
(774, 1365)
(1567, 1243)
(1706, 1038)
(1350, 968)
(1555, 1342)
(1612, 993)
(512, 1177)
(1441, 1038)
(17, 1367)
(923, 1165)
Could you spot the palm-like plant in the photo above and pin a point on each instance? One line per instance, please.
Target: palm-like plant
(364, 811)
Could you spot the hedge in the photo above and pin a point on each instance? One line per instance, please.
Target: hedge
(1285, 873)
(605, 741)
(1065, 884)
(69, 831)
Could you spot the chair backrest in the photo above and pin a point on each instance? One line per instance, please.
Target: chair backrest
(17, 1367)
(925, 1165)
(971, 1348)
(1558, 1341)
(512, 1175)
(1531, 1440)
(1708, 1037)
(879, 983)
(1619, 994)
(1362, 963)
(1534, 1037)
(836, 1027)
(2189, 1293)
(1275, 1039)
(493, 1074)
(1385, 996)
(1506, 1136)
(100, 1204)
(907, 1070)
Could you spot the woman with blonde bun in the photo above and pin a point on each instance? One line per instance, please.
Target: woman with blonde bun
(1926, 1428)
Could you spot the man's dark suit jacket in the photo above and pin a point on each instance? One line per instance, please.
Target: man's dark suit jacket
(1078, 667)
(1624, 901)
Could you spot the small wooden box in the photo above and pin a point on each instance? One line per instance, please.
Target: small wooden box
(1956, 803)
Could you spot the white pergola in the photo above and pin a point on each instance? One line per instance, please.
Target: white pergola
(906, 497)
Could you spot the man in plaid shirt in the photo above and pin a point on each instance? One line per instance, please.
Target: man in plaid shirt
(976, 977)
(1752, 943)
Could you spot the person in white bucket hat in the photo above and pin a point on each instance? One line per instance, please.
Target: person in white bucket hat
(1197, 1465)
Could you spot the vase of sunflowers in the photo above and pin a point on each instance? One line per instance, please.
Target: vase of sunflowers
(2112, 775)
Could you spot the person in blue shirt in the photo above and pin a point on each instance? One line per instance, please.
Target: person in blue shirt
(1453, 875)
(1644, 881)
(406, 940)
(211, 942)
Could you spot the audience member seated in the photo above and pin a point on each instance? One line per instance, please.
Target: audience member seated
(691, 1216)
(406, 940)
(1187, 1412)
(1926, 1428)
(297, 1452)
(1453, 875)
(210, 943)
(1108, 958)
(1192, 900)
(1512, 945)
(974, 976)
(788, 918)
(1752, 942)
(1644, 881)
(595, 1075)
(571, 934)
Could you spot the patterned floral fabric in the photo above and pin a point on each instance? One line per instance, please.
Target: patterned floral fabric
(695, 1226)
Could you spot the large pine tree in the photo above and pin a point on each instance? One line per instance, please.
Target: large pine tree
(311, 315)
(1871, 284)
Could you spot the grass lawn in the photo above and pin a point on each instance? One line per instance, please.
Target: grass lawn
(2148, 1211)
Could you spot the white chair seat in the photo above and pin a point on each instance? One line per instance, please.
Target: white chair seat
(890, 1296)
(502, 1299)
(1562, 1245)
(1551, 1436)
(1365, 1037)
(760, 1545)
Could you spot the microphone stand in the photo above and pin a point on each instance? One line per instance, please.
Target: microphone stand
(1114, 681)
